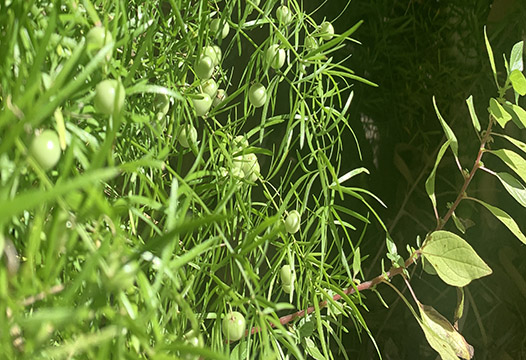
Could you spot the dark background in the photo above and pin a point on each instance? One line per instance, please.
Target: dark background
(415, 50)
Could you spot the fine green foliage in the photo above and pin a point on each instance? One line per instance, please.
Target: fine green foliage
(189, 132)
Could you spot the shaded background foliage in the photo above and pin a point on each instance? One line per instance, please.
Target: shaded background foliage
(415, 50)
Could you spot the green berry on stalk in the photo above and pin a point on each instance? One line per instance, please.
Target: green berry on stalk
(284, 14)
(210, 87)
(45, 149)
(310, 43)
(292, 222)
(237, 172)
(161, 105)
(202, 104)
(96, 39)
(249, 6)
(326, 30)
(109, 97)
(257, 95)
(220, 96)
(286, 275)
(287, 288)
(217, 30)
(193, 339)
(239, 143)
(214, 53)
(233, 326)
(249, 164)
(204, 68)
(275, 56)
(187, 136)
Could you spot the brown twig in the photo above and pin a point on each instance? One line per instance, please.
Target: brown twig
(349, 291)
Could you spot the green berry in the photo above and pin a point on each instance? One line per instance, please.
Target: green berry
(292, 222)
(45, 149)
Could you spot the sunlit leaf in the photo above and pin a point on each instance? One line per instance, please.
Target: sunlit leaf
(430, 182)
(516, 57)
(513, 160)
(518, 114)
(514, 187)
(518, 82)
(442, 336)
(350, 174)
(454, 260)
(498, 112)
(313, 350)
(491, 58)
(450, 135)
(506, 219)
(472, 113)
(514, 141)
(357, 262)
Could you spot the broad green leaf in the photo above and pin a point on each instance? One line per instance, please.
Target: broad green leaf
(518, 82)
(472, 113)
(391, 246)
(307, 329)
(442, 336)
(498, 112)
(460, 226)
(514, 141)
(450, 135)
(491, 58)
(239, 351)
(430, 182)
(506, 219)
(518, 114)
(454, 260)
(513, 186)
(516, 57)
(513, 160)
(312, 349)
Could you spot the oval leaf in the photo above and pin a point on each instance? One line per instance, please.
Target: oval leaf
(498, 112)
(514, 187)
(514, 141)
(505, 219)
(518, 82)
(516, 56)
(513, 160)
(442, 336)
(520, 112)
(454, 260)
(518, 115)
